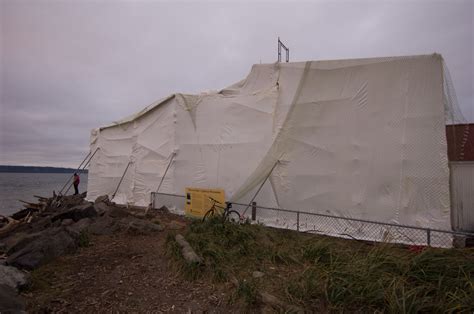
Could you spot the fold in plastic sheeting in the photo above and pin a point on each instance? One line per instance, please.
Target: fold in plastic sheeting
(355, 138)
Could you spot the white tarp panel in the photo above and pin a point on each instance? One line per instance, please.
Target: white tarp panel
(355, 138)
(462, 189)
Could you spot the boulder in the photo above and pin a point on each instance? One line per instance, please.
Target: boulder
(67, 222)
(102, 208)
(10, 301)
(81, 225)
(187, 251)
(116, 212)
(13, 277)
(138, 226)
(18, 241)
(76, 213)
(175, 225)
(104, 226)
(102, 199)
(49, 245)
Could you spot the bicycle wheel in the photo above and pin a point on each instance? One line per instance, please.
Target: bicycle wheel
(210, 213)
(233, 216)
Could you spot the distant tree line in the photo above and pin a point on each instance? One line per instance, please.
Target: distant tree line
(34, 169)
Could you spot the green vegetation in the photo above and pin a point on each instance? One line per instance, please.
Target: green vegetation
(324, 273)
(84, 239)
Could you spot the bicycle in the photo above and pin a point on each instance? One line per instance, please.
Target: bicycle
(228, 214)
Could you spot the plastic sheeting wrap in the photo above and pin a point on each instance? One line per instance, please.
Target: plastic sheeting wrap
(353, 138)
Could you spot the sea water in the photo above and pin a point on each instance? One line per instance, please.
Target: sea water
(22, 186)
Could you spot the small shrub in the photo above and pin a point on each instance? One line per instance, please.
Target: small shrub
(84, 239)
(248, 291)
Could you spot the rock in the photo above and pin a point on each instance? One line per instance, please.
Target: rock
(116, 212)
(257, 274)
(104, 226)
(175, 225)
(3, 247)
(41, 223)
(81, 225)
(13, 277)
(276, 303)
(49, 245)
(102, 199)
(18, 241)
(187, 251)
(76, 213)
(101, 208)
(137, 226)
(10, 301)
(67, 222)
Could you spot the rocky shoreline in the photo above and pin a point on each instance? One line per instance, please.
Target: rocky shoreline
(56, 226)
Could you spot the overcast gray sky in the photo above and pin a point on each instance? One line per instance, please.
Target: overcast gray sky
(70, 66)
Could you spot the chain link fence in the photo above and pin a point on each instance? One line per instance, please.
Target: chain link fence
(350, 228)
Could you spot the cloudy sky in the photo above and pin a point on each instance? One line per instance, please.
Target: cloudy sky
(70, 66)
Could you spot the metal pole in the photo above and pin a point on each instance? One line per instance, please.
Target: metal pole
(113, 195)
(84, 167)
(61, 191)
(279, 50)
(166, 171)
(428, 237)
(288, 55)
(88, 162)
(152, 200)
(260, 187)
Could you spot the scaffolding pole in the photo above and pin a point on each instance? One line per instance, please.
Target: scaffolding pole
(152, 200)
(166, 171)
(83, 167)
(69, 179)
(287, 50)
(121, 179)
(260, 187)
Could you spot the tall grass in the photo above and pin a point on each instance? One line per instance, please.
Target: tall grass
(335, 274)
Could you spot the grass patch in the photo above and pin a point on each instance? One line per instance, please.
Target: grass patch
(189, 271)
(247, 290)
(318, 272)
(84, 239)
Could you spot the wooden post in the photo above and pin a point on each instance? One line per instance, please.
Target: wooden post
(297, 221)
(254, 210)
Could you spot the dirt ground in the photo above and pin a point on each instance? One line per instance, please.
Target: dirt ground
(124, 273)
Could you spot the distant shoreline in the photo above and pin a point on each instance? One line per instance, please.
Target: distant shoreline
(36, 169)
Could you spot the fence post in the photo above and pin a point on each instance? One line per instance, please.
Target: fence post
(254, 211)
(297, 221)
(428, 237)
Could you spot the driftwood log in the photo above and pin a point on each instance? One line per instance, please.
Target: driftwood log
(11, 223)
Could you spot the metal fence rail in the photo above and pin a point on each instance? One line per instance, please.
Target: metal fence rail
(346, 227)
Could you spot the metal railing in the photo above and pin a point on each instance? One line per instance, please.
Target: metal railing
(346, 227)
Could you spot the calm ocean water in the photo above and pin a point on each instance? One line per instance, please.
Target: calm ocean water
(15, 186)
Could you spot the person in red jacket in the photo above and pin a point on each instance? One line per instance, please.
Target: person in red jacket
(75, 182)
